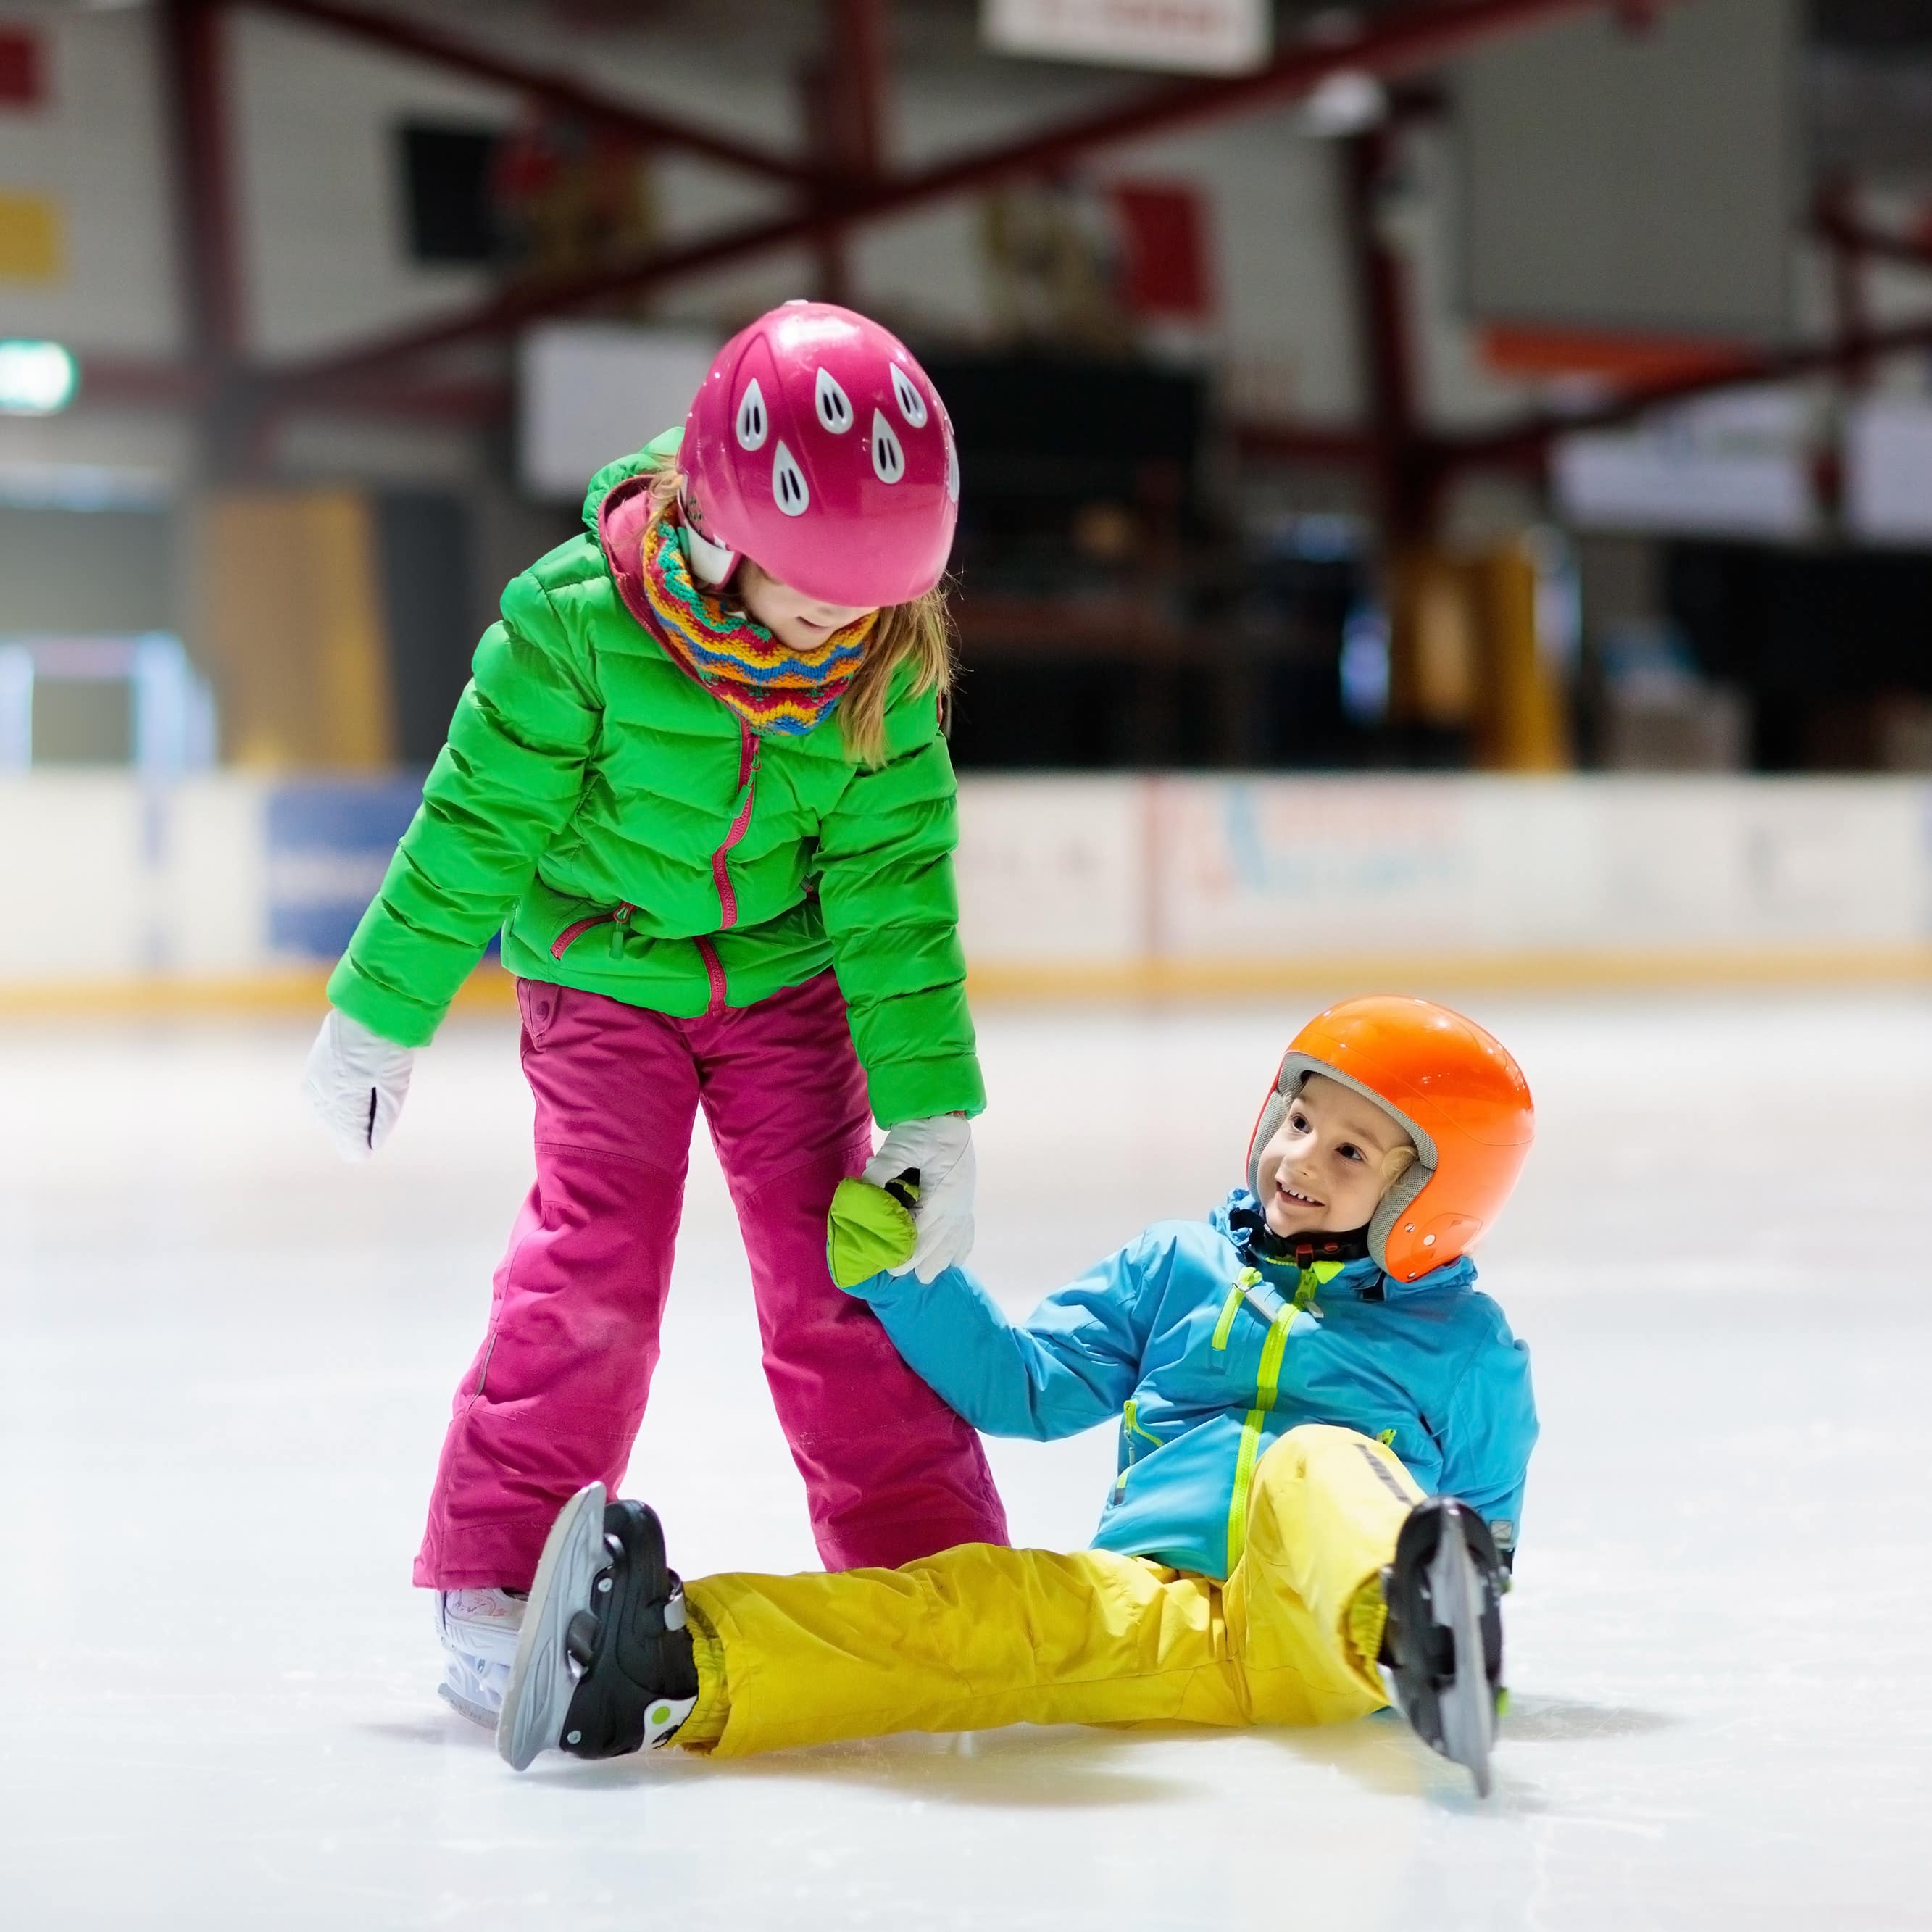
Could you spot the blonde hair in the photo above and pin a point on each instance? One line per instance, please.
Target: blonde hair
(919, 633)
(1396, 1163)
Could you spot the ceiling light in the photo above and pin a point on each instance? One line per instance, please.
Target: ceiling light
(36, 378)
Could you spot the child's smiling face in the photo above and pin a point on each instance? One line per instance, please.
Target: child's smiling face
(1329, 1162)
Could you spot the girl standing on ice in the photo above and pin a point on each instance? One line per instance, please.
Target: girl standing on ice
(699, 780)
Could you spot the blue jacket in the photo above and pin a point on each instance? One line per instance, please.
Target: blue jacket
(1207, 1353)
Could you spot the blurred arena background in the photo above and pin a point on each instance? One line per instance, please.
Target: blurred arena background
(1448, 507)
(1448, 483)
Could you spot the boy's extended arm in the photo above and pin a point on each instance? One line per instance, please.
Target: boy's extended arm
(1070, 1364)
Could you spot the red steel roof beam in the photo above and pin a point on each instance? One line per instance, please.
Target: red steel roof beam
(118, 383)
(1390, 46)
(1844, 231)
(1528, 441)
(1388, 353)
(515, 308)
(1393, 44)
(400, 34)
(846, 87)
(193, 48)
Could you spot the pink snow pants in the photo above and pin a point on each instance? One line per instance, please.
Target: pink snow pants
(555, 1394)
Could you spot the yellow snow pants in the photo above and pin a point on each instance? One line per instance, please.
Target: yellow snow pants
(979, 1637)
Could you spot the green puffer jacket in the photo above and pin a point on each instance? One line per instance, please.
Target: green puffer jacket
(631, 838)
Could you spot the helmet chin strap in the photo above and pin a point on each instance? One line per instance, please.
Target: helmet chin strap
(1302, 1249)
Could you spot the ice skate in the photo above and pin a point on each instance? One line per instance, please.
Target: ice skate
(604, 1666)
(1443, 1647)
(479, 1628)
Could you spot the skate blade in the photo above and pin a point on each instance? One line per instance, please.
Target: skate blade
(1467, 1706)
(465, 1707)
(541, 1682)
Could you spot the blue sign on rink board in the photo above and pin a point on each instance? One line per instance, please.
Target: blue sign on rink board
(328, 844)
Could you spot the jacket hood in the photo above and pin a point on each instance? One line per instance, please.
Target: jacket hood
(655, 454)
(1241, 1206)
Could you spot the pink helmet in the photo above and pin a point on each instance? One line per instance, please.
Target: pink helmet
(818, 447)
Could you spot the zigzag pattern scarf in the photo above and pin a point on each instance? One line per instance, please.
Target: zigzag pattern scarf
(772, 687)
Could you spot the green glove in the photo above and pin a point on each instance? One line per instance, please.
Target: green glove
(870, 1229)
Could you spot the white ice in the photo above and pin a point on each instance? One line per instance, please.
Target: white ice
(225, 1361)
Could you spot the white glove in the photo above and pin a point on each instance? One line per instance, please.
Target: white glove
(355, 1081)
(940, 1151)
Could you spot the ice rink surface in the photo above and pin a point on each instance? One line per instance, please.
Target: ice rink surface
(225, 1365)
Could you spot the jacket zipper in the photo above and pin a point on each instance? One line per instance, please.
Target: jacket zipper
(714, 971)
(751, 749)
(1267, 1387)
(1237, 1293)
(618, 915)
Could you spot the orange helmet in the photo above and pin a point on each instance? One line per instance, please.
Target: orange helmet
(1454, 1087)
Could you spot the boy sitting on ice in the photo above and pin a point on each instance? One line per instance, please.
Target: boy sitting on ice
(1323, 1433)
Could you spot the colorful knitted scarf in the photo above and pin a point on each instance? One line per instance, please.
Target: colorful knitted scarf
(772, 687)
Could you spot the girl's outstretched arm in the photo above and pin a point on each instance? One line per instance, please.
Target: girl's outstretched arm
(509, 777)
(892, 913)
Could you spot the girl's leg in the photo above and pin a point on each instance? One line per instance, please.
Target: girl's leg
(1303, 1603)
(891, 1472)
(555, 1396)
(970, 1638)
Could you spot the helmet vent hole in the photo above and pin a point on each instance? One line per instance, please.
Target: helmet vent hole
(888, 454)
(912, 404)
(788, 488)
(835, 407)
(753, 422)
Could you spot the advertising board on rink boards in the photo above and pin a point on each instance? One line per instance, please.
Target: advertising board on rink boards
(227, 885)
(1054, 871)
(1256, 874)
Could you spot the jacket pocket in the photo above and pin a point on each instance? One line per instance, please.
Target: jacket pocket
(618, 915)
(1136, 1441)
(538, 1005)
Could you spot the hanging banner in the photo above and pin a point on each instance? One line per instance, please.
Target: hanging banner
(1176, 36)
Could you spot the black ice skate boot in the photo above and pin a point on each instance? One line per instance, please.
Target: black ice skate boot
(1442, 1649)
(604, 1664)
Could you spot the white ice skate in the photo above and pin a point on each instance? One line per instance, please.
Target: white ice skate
(479, 1628)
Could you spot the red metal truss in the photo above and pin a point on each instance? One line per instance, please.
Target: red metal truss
(192, 42)
(1395, 436)
(1528, 440)
(1391, 46)
(841, 185)
(400, 34)
(1837, 224)
(847, 91)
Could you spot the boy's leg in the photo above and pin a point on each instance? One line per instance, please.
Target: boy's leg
(1324, 1510)
(555, 1393)
(970, 1639)
(890, 1472)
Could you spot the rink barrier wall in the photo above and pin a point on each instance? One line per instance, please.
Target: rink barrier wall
(232, 891)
